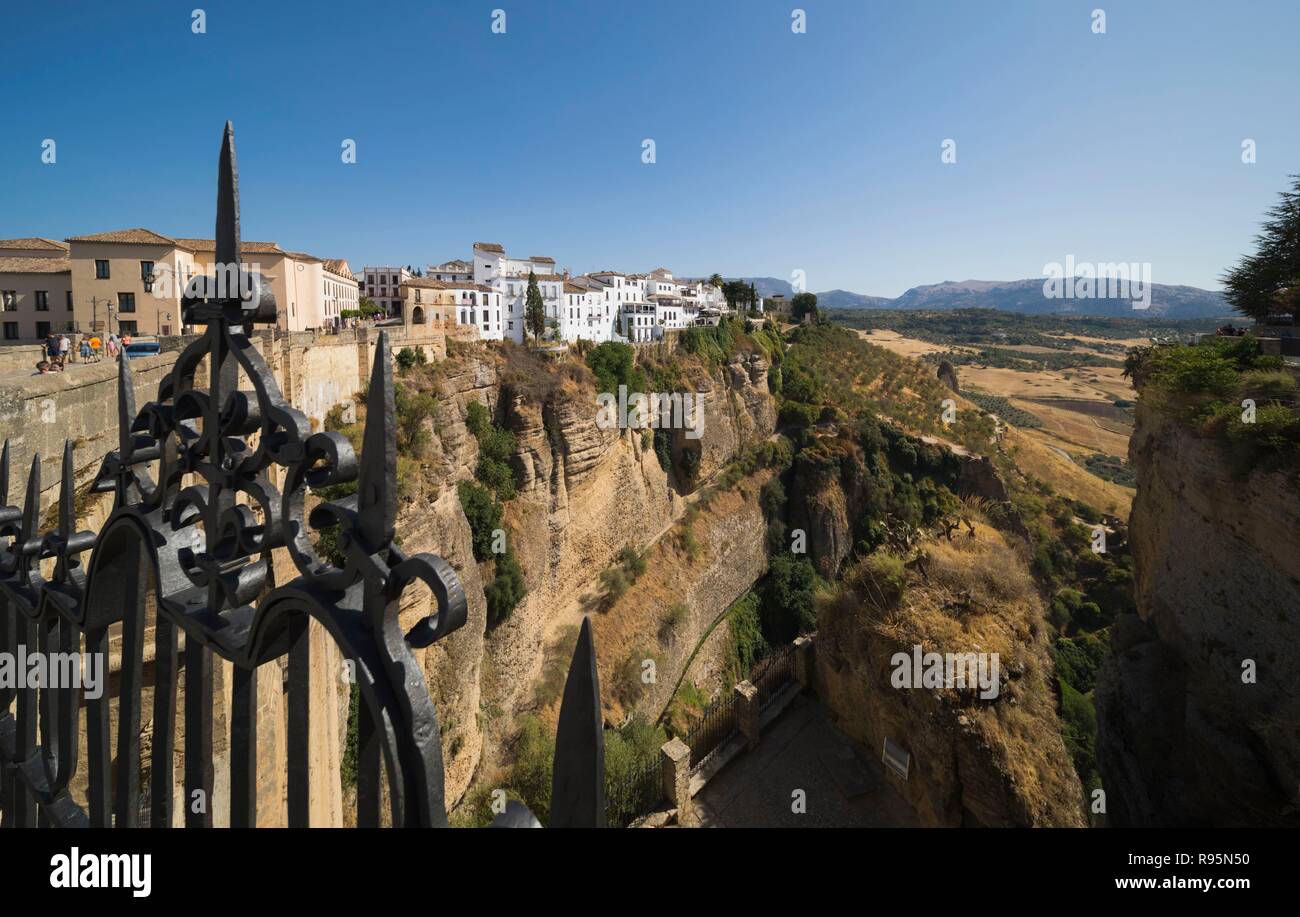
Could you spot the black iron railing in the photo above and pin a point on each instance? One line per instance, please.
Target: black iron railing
(207, 483)
(716, 726)
(772, 673)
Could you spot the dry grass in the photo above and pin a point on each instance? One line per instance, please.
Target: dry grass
(1020, 730)
(1032, 453)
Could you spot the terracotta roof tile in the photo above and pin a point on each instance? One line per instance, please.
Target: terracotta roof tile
(35, 243)
(245, 247)
(35, 265)
(136, 236)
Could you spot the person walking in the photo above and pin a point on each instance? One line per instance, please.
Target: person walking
(65, 349)
(85, 350)
(51, 347)
(96, 348)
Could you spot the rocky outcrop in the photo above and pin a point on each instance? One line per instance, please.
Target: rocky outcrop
(948, 375)
(584, 493)
(974, 761)
(1198, 711)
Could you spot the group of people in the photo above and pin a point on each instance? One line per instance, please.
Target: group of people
(58, 350)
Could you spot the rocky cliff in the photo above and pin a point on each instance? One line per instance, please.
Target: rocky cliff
(974, 761)
(585, 493)
(1198, 708)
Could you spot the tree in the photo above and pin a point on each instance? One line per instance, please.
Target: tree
(1268, 281)
(534, 308)
(803, 304)
(716, 281)
(735, 292)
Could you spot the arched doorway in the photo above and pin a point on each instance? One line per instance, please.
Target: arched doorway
(417, 315)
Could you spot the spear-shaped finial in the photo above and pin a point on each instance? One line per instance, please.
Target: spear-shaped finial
(32, 507)
(4, 475)
(376, 497)
(67, 511)
(125, 407)
(578, 781)
(227, 237)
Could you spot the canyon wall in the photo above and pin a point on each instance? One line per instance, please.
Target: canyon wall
(1198, 708)
(974, 761)
(584, 494)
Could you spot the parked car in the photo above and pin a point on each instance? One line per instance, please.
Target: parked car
(143, 349)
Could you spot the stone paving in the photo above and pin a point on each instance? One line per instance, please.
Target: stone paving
(803, 750)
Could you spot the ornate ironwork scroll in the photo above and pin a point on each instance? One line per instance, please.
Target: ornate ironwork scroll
(206, 484)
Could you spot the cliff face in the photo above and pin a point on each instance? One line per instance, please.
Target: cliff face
(975, 761)
(1198, 708)
(584, 494)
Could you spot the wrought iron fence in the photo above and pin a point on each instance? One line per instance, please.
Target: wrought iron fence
(206, 484)
(716, 726)
(636, 793)
(772, 673)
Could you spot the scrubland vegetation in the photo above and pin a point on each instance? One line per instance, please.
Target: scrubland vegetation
(1207, 387)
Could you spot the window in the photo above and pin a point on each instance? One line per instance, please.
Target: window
(42, 300)
(146, 270)
(126, 328)
(42, 329)
(101, 269)
(11, 331)
(69, 292)
(10, 298)
(125, 302)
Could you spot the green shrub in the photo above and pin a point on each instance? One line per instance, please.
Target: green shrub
(530, 778)
(414, 409)
(672, 619)
(615, 583)
(614, 364)
(1078, 659)
(1079, 730)
(789, 605)
(408, 357)
(885, 578)
(748, 645)
(477, 419)
(483, 513)
(506, 590)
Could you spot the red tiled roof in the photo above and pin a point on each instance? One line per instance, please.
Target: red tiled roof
(35, 244)
(35, 265)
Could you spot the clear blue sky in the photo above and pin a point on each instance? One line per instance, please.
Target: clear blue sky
(775, 151)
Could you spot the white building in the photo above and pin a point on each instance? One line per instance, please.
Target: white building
(340, 290)
(455, 271)
(384, 286)
(479, 305)
(509, 277)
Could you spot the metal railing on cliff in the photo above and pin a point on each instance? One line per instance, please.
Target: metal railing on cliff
(206, 484)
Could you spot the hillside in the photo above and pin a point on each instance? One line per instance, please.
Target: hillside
(1024, 297)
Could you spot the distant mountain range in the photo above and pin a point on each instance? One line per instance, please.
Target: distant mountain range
(1014, 296)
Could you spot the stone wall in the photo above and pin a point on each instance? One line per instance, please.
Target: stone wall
(38, 413)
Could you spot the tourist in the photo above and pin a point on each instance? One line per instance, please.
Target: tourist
(85, 350)
(51, 347)
(96, 348)
(65, 348)
(42, 368)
